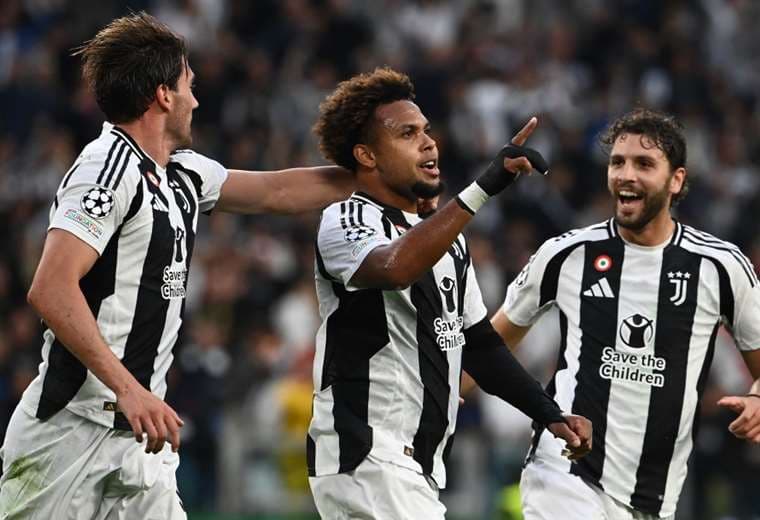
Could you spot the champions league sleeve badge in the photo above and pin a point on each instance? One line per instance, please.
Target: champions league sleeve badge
(97, 202)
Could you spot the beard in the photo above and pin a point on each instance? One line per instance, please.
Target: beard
(178, 129)
(424, 190)
(652, 205)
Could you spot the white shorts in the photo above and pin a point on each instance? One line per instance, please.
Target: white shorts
(377, 490)
(548, 493)
(70, 468)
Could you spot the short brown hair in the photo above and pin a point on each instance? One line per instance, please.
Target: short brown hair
(128, 60)
(664, 130)
(345, 116)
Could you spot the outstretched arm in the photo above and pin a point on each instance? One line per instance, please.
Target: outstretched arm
(294, 190)
(497, 372)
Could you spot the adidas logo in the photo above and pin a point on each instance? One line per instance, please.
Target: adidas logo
(600, 289)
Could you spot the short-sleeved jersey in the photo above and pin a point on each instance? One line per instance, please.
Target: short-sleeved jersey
(388, 362)
(638, 327)
(142, 220)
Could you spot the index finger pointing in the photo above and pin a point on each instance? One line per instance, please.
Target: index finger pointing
(522, 136)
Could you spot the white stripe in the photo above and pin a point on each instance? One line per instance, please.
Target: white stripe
(624, 439)
(568, 288)
(708, 307)
(606, 289)
(597, 290)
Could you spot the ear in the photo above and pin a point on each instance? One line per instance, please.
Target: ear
(677, 181)
(164, 97)
(364, 156)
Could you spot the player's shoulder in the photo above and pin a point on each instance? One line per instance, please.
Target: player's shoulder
(105, 161)
(576, 237)
(191, 160)
(726, 253)
(353, 210)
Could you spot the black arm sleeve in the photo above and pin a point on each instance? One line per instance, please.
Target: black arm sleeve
(495, 369)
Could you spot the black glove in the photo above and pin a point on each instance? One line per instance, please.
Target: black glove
(496, 177)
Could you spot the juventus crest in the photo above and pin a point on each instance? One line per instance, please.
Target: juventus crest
(680, 281)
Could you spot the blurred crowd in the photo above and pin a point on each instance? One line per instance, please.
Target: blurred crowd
(242, 374)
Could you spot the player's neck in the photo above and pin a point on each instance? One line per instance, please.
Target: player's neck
(657, 231)
(374, 187)
(151, 137)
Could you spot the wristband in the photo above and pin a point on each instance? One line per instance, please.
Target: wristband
(751, 395)
(472, 198)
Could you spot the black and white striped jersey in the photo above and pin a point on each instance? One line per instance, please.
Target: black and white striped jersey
(141, 219)
(388, 362)
(638, 327)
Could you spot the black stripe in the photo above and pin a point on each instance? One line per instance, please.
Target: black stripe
(67, 177)
(122, 170)
(702, 381)
(108, 160)
(194, 177)
(343, 215)
(725, 291)
(113, 167)
(673, 325)
(738, 256)
(359, 213)
(598, 325)
(550, 278)
(151, 308)
(311, 456)
(118, 132)
(434, 372)
(351, 209)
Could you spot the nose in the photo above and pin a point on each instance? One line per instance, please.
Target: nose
(428, 142)
(626, 173)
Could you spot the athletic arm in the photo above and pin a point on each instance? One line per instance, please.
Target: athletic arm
(293, 190)
(511, 334)
(56, 296)
(747, 425)
(495, 369)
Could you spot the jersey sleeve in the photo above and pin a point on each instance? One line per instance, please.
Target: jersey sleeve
(207, 176)
(474, 308)
(746, 326)
(348, 232)
(88, 205)
(522, 304)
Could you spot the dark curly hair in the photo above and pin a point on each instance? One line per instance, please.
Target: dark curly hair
(662, 129)
(345, 116)
(127, 60)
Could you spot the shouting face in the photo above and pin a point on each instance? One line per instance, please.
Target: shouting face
(640, 179)
(405, 155)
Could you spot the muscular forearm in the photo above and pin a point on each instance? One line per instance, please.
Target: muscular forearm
(407, 258)
(66, 312)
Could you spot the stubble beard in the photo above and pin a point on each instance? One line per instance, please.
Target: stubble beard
(424, 190)
(653, 205)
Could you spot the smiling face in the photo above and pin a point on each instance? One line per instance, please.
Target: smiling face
(403, 152)
(640, 178)
(181, 116)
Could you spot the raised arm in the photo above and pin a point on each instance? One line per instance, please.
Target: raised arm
(56, 296)
(401, 262)
(294, 190)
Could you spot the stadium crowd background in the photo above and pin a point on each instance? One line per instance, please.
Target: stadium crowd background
(241, 378)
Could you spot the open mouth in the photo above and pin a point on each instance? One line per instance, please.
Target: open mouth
(430, 167)
(628, 198)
